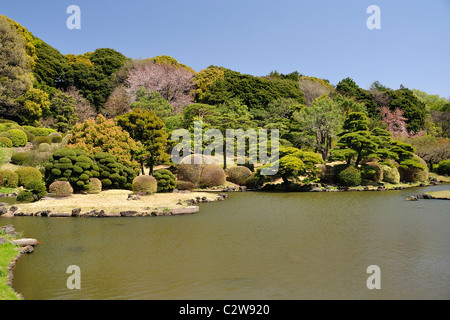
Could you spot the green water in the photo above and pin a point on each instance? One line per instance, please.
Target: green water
(251, 246)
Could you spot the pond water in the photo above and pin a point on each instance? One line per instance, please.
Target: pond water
(251, 246)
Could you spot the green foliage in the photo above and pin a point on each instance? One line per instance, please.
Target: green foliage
(238, 175)
(60, 189)
(63, 110)
(146, 127)
(5, 142)
(18, 137)
(413, 170)
(166, 180)
(10, 179)
(112, 174)
(39, 132)
(42, 139)
(145, 184)
(72, 165)
(2, 181)
(101, 135)
(350, 177)
(35, 104)
(414, 109)
(25, 196)
(22, 158)
(444, 167)
(371, 171)
(390, 173)
(212, 176)
(152, 102)
(348, 88)
(27, 174)
(37, 188)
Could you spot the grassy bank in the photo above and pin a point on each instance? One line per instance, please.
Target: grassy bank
(444, 194)
(7, 253)
(113, 201)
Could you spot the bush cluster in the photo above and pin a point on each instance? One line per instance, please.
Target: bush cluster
(185, 185)
(71, 165)
(166, 180)
(22, 158)
(348, 176)
(95, 186)
(5, 142)
(18, 137)
(42, 139)
(212, 176)
(34, 191)
(372, 172)
(10, 179)
(444, 167)
(112, 174)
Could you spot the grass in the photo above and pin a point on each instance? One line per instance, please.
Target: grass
(7, 190)
(112, 201)
(444, 194)
(7, 253)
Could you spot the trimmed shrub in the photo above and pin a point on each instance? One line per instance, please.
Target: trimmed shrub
(144, 183)
(42, 139)
(56, 137)
(27, 174)
(37, 188)
(191, 168)
(372, 172)
(39, 132)
(212, 176)
(44, 147)
(95, 186)
(72, 165)
(5, 142)
(238, 174)
(10, 179)
(21, 158)
(2, 181)
(25, 196)
(18, 137)
(185, 185)
(60, 189)
(413, 170)
(113, 174)
(444, 167)
(349, 177)
(4, 134)
(30, 136)
(326, 173)
(166, 180)
(390, 173)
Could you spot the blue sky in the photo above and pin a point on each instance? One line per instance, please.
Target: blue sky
(323, 38)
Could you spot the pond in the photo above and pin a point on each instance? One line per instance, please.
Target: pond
(251, 246)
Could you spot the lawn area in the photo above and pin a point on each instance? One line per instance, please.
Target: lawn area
(444, 194)
(7, 253)
(112, 201)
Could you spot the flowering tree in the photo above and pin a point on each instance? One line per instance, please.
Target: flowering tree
(175, 84)
(395, 121)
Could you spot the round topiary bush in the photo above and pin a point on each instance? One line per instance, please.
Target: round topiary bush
(238, 174)
(21, 158)
(4, 134)
(166, 180)
(27, 174)
(390, 173)
(44, 147)
(10, 179)
(60, 189)
(413, 170)
(349, 177)
(5, 142)
(444, 167)
(42, 139)
(56, 137)
(113, 174)
(72, 165)
(185, 185)
(18, 137)
(145, 184)
(95, 186)
(372, 172)
(191, 167)
(212, 176)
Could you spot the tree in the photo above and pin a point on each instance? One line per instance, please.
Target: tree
(414, 110)
(348, 88)
(118, 103)
(321, 122)
(146, 127)
(83, 109)
(15, 70)
(175, 84)
(313, 88)
(395, 121)
(35, 103)
(152, 101)
(101, 135)
(62, 109)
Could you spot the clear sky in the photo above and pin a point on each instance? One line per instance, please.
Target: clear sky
(322, 38)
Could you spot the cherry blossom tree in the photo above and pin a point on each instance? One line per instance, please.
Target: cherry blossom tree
(175, 84)
(395, 120)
